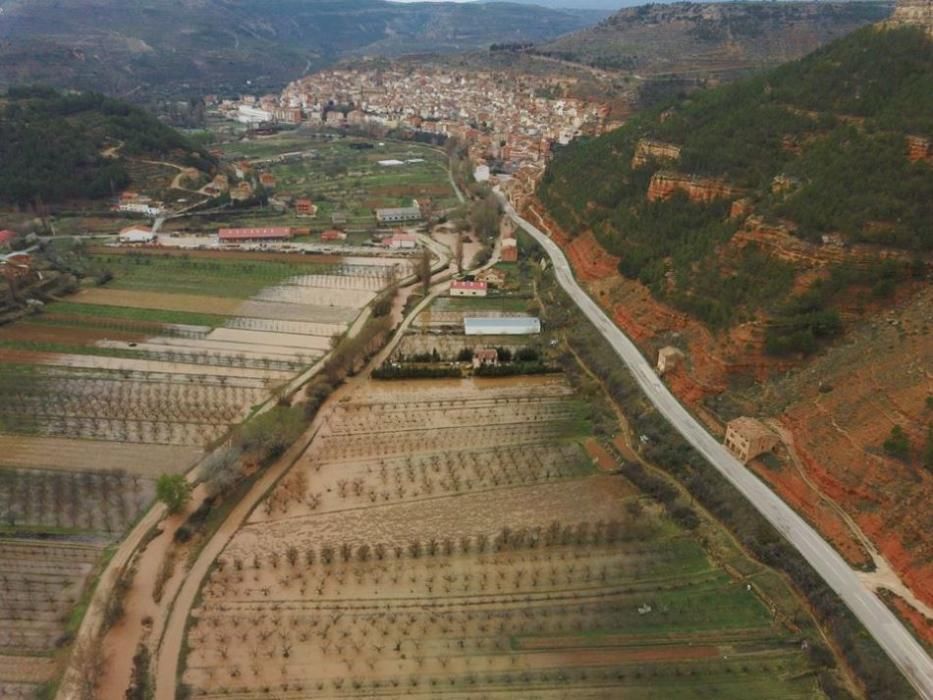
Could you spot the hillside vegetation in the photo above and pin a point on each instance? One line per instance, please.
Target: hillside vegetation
(52, 145)
(832, 128)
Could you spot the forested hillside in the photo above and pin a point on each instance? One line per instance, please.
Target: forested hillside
(52, 145)
(830, 148)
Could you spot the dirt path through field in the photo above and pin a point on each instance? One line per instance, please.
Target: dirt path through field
(169, 647)
(143, 617)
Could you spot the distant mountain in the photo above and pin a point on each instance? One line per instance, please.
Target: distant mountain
(711, 40)
(606, 6)
(182, 47)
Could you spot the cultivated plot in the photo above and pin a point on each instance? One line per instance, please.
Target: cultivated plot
(103, 393)
(453, 538)
(349, 177)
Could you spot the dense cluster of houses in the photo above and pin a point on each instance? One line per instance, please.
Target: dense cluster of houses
(507, 119)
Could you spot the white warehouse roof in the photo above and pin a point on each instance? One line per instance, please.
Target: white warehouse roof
(514, 325)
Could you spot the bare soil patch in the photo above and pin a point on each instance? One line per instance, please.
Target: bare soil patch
(155, 300)
(90, 455)
(35, 333)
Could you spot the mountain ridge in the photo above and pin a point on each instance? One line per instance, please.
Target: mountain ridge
(711, 39)
(197, 46)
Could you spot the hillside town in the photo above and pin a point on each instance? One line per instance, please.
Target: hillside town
(510, 122)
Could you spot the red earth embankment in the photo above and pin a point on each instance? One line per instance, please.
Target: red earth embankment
(839, 407)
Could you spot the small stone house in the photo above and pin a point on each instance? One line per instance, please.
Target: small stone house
(747, 438)
(668, 358)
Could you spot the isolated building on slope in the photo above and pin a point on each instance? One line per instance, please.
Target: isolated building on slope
(668, 358)
(747, 438)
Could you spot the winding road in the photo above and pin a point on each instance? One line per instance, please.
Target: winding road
(882, 624)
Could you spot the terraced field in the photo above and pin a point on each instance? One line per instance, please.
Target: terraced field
(101, 394)
(453, 538)
(40, 583)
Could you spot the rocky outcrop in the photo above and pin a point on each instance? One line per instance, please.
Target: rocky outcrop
(649, 150)
(666, 183)
(791, 144)
(741, 208)
(913, 13)
(919, 148)
(782, 184)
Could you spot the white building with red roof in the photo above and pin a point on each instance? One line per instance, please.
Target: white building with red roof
(464, 288)
(400, 241)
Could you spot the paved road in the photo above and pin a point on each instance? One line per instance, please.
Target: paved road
(883, 625)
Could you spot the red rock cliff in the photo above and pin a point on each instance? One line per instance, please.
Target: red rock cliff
(665, 183)
(648, 150)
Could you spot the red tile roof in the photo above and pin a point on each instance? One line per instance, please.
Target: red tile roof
(462, 284)
(247, 234)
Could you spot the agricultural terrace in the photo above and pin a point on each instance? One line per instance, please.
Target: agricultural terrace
(40, 584)
(454, 538)
(102, 393)
(344, 176)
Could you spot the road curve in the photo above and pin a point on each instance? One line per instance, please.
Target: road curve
(896, 640)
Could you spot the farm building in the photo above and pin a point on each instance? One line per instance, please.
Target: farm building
(463, 288)
(253, 115)
(241, 192)
(305, 207)
(515, 325)
(333, 235)
(747, 438)
(17, 267)
(239, 235)
(133, 203)
(483, 357)
(493, 277)
(137, 234)
(217, 186)
(668, 358)
(398, 215)
(267, 180)
(400, 241)
(509, 250)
